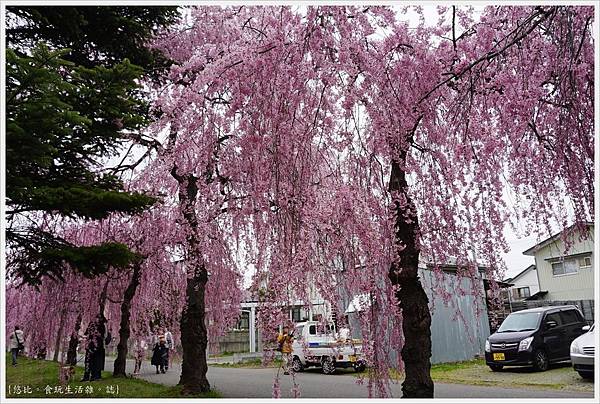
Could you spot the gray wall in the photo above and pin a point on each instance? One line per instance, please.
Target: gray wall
(235, 341)
(454, 339)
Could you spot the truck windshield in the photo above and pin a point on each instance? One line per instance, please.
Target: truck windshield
(320, 329)
(520, 322)
(327, 329)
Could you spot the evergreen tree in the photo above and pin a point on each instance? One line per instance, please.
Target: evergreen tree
(96, 35)
(73, 98)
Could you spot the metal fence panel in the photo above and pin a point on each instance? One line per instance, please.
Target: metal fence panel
(459, 326)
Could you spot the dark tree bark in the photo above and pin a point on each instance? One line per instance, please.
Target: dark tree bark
(73, 342)
(194, 337)
(59, 336)
(124, 326)
(103, 297)
(100, 353)
(416, 317)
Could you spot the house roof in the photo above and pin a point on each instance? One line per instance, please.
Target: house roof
(451, 267)
(501, 284)
(538, 295)
(549, 240)
(523, 272)
(359, 303)
(452, 264)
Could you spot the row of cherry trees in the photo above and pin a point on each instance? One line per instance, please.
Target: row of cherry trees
(135, 302)
(333, 149)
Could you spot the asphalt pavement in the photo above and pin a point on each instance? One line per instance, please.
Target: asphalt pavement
(258, 383)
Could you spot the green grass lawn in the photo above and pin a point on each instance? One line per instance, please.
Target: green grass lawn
(560, 376)
(36, 376)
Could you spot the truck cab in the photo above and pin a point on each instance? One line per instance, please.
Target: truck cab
(320, 345)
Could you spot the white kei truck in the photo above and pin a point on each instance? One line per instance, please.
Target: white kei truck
(316, 344)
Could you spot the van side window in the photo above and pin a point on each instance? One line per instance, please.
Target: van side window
(553, 317)
(570, 317)
(312, 330)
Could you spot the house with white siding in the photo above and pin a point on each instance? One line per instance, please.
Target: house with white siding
(524, 285)
(565, 265)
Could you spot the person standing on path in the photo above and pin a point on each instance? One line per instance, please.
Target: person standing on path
(160, 356)
(170, 343)
(16, 340)
(156, 334)
(139, 355)
(285, 340)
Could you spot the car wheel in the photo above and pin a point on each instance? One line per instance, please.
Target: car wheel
(360, 366)
(327, 365)
(540, 360)
(496, 368)
(297, 365)
(586, 375)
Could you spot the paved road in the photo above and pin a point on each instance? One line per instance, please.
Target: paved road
(258, 383)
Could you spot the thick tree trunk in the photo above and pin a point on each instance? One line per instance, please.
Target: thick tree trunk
(194, 337)
(59, 336)
(73, 342)
(103, 297)
(124, 327)
(416, 318)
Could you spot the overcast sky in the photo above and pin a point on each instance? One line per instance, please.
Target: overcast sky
(515, 260)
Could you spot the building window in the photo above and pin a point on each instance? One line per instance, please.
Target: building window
(585, 262)
(296, 314)
(523, 292)
(557, 268)
(244, 321)
(565, 267)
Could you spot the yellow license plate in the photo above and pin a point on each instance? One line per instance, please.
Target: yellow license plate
(352, 358)
(499, 356)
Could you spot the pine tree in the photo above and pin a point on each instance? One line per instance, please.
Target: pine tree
(73, 98)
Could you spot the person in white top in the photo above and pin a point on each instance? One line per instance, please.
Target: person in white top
(344, 331)
(170, 342)
(344, 334)
(16, 343)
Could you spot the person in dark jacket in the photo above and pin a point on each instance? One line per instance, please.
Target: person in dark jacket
(160, 355)
(94, 351)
